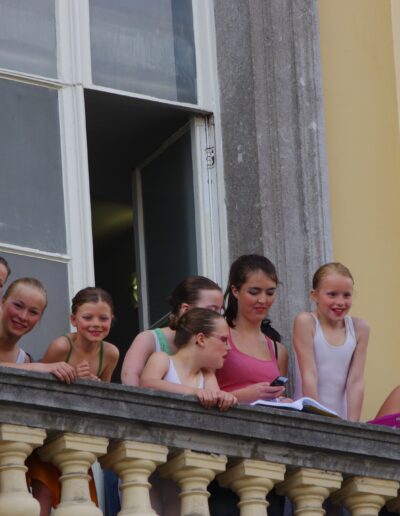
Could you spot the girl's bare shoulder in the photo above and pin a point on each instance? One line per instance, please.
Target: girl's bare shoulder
(361, 326)
(62, 343)
(145, 338)
(157, 361)
(58, 349)
(304, 318)
(111, 350)
(160, 356)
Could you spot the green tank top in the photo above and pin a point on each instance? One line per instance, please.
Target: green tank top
(100, 355)
(162, 340)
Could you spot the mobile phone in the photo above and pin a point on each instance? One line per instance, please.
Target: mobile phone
(279, 381)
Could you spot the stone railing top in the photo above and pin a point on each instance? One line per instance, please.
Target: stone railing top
(121, 412)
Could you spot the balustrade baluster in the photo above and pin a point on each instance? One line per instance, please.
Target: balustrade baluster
(73, 454)
(252, 480)
(134, 462)
(365, 496)
(193, 472)
(16, 443)
(308, 488)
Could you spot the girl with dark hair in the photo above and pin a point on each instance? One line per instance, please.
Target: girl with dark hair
(91, 356)
(253, 361)
(202, 342)
(194, 291)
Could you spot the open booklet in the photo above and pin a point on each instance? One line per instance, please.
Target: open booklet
(302, 404)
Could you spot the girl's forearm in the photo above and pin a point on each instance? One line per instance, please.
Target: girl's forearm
(164, 385)
(309, 388)
(130, 378)
(27, 366)
(355, 398)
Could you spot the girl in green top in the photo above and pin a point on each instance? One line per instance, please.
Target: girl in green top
(194, 291)
(85, 349)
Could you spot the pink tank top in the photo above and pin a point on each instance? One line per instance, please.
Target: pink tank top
(241, 370)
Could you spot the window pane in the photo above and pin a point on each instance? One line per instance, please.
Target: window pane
(55, 320)
(28, 36)
(31, 197)
(146, 47)
(169, 224)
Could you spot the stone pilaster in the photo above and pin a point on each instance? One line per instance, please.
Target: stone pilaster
(308, 488)
(16, 443)
(73, 454)
(365, 496)
(193, 472)
(252, 480)
(276, 180)
(134, 462)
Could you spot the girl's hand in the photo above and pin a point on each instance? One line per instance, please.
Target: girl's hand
(226, 400)
(207, 397)
(258, 391)
(83, 372)
(270, 392)
(62, 371)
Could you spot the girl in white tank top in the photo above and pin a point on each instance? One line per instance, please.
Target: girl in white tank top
(202, 342)
(330, 346)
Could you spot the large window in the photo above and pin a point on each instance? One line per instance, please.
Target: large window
(93, 95)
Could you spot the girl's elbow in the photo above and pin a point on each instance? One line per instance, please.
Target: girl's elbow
(130, 378)
(356, 384)
(142, 382)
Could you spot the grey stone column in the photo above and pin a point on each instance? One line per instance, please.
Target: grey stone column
(277, 196)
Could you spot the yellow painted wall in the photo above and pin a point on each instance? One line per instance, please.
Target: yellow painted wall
(360, 55)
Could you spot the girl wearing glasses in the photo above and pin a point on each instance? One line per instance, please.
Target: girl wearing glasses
(202, 342)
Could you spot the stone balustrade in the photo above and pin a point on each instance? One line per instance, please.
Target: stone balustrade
(134, 432)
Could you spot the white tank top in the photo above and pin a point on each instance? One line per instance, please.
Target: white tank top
(21, 357)
(333, 364)
(173, 377)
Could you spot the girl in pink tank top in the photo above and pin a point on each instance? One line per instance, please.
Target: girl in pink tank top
(251, 364)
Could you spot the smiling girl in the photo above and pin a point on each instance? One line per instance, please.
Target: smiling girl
(23, 305)
(330, 346)
(254, 360)
(85, 350)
